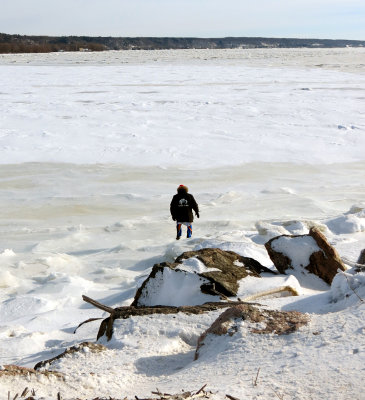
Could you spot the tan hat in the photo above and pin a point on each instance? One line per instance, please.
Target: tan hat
(183, 187)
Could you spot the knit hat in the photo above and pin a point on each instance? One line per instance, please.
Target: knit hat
(182, 187)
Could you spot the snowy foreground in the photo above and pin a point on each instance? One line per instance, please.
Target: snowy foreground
(92, 148)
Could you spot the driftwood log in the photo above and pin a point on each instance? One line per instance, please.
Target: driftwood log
(106, 326)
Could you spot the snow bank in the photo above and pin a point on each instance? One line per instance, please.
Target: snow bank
(351, 222)
(175, 288)
(347, 289)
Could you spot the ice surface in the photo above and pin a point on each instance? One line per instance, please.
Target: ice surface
(92, 148)
(193, 114)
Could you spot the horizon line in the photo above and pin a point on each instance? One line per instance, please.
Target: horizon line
(185, 37)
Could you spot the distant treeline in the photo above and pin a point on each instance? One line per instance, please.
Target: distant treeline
(46, 44)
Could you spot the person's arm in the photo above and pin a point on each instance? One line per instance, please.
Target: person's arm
(195, 206)
(173, 209)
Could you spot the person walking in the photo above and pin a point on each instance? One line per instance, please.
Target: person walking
(182, 206)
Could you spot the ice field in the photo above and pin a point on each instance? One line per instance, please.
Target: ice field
(92, 148)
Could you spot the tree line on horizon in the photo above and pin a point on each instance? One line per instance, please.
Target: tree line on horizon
(47, 44)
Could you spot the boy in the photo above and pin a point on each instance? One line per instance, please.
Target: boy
(181, 208)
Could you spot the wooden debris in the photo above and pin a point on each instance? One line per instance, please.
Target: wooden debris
(93, 347)
(15, 370)
(106, 326)
(231, 397)
(200, 394)
(201, 389)
(257, 376)
(97, 304)
(291, 292)
(86, 322)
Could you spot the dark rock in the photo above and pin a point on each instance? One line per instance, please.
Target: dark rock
(143, 289)
(324, 263)
(232, 268)
(361, 259)
(277, 322)
(229, 266)
(360, 267)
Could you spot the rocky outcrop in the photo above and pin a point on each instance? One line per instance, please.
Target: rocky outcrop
(222, 272)
(316, 255)
(231, 267)
(256, 321)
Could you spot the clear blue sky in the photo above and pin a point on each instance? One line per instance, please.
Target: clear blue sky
(332, 19)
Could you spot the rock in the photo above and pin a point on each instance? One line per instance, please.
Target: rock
(360, 267)
(256, 321)
(310, 253)
(361, 259)
(144, 290)
(214, 272)
(232, 268)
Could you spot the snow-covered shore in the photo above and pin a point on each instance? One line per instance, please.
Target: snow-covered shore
(91, 153)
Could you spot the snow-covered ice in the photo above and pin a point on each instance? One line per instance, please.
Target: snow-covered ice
(92, 148)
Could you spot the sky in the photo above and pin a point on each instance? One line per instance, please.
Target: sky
(325, 19)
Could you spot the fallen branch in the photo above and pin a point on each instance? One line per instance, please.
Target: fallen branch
(93, 347)
(201, 389)
(272, 291)
(201, 393)
(257, 376)
(86, 322)
(106, 326)
(231, 397)
(97, 304)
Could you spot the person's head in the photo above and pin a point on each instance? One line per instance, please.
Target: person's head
(182, 189)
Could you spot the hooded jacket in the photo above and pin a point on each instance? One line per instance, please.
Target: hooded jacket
(182, 205)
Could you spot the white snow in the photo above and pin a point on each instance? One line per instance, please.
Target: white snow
(175, 288)
(194, 265)
(92, 148)
(351, 222)
(298, 249)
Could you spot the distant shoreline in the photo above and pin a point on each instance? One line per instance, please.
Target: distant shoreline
(46, 44)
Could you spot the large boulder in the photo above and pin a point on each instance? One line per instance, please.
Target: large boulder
(252, 320)
(167, 285)
(195, 277)
(305, 253)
